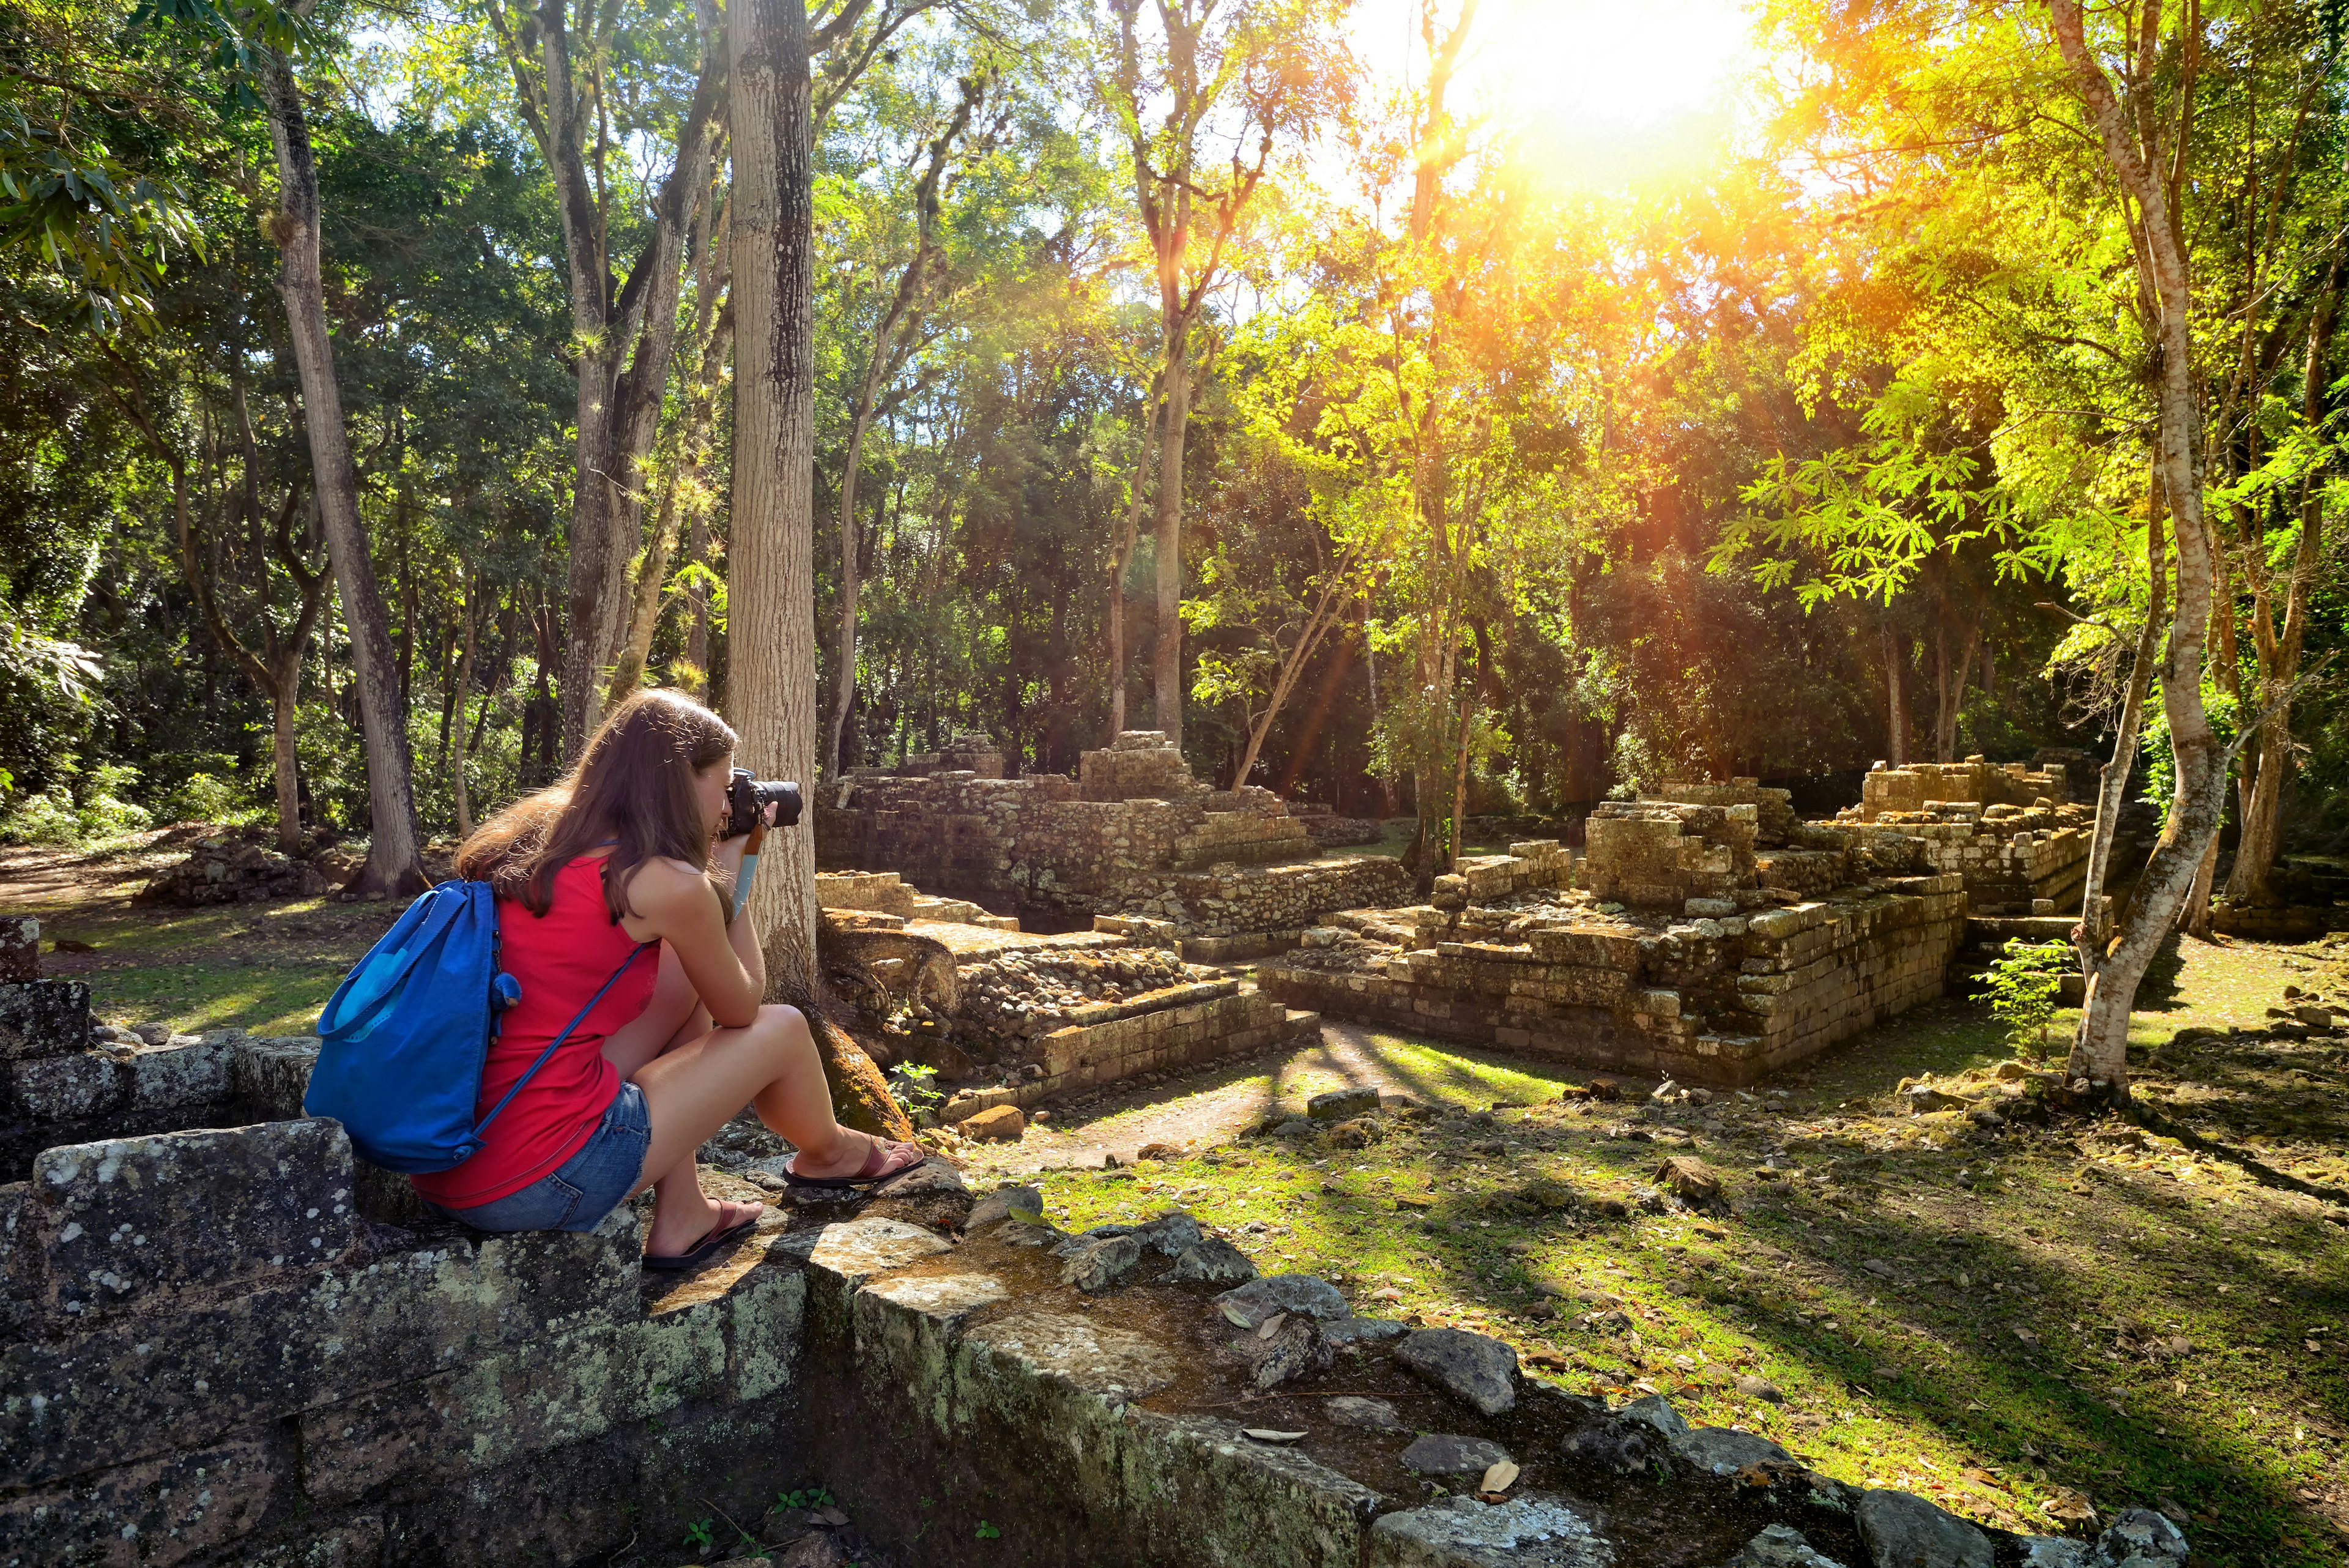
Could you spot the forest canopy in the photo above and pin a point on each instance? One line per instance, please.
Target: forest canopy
(1424, 407)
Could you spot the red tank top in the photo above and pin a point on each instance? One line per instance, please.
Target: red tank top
(559, 957)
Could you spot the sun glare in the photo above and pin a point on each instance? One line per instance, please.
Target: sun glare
(1603, 91)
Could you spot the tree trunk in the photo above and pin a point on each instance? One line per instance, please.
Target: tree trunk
(2112, 788)
(393, 867)
(285, 704)
(771, 565)
(843, 663)
(471, 584)
(2253, 879)
(1166, 664)
(1121, 558)
(2100, 1049)
(1896, 700)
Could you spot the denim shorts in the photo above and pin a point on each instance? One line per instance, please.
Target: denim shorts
(577, 1194)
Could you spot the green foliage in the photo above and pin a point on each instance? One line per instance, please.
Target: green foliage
(914, 1085)
(989, 1532)
(99, 804)
(2020, 987)
(699, 1536)
(808, 1497)
(2161, 760)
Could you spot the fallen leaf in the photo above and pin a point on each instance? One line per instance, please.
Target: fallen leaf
(1265, 1435)
(1232, 1314)
(1272, 1325)
(1498, 1479)
(2026, 1335)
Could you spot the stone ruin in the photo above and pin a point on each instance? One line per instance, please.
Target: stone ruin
(1014, 1018)
(234, 1343)
(1678, 945)
(1234, 873)
(2013, 834)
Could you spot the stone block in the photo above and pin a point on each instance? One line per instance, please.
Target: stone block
(20, 948)
(271, 1075)
(185, 1070)
(43, 1018)
(69, 1087)
(133, 1220)
(134, 1384)
(149, 1513)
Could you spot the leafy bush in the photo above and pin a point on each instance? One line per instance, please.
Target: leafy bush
(205, 797)
(2021, 986)
(914, 1086)
(101, 811)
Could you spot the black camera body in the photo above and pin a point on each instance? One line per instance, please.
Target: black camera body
(748, 797)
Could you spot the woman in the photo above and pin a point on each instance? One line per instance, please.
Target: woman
(608, 880)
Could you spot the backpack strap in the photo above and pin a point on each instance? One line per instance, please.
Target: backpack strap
(556, 1043)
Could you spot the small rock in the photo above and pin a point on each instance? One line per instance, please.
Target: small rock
(1752, 1388)
(1606, 1089)
(1158, 1151)
(1663, 1092)
(1920, 1098)
(1259, 1299)
(1296, 1349)
(1690, 1180)
(2055, 1551)
(1901, 1530)
(1099, 1265)
(1362, 1331)
(1339, 1104)
(1170, 1235)
(1722, 1452)
(1370, 1415)
(1529, 1531)
(1879, 1268)
(2012, 1073)
(1022, 1203)
(1294, 1128)
(1655, 1411)
(997, 1123)
(1212, 1261)
(1441, 1454)
(2140, 1538)
(1470, 1366)
(1781, 1546)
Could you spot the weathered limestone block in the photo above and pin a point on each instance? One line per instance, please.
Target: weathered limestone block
(20, 948)
(1138, 765)
(1532, 1530)
(124, 1222)
(155, 1510)
(272, 1073)
(138, 1382)
(43, 1018)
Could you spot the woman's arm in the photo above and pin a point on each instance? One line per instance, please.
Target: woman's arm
(677, 904)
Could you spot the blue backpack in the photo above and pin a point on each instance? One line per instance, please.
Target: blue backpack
(403, 1041)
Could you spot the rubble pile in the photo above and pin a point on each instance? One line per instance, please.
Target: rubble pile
(1008, 1000)
(235, 865)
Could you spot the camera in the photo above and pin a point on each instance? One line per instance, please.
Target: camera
(747, 798)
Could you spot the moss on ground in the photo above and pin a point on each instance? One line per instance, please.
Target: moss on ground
(2017, 1324)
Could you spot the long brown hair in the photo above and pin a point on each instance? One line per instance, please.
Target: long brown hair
(633, 789)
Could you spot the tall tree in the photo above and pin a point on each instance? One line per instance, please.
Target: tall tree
(1241, 75)
(393, 865)
(623, 330)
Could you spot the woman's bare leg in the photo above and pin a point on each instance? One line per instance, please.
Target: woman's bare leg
(697, 1087)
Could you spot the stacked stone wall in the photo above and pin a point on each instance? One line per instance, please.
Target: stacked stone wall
(1724, 1000)
(1134, 834)
(1975, 780)
(1659, 854)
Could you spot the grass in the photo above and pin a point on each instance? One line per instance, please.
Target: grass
(1991, 1321)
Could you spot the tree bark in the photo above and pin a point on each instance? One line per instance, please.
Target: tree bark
(2252, 881)
(771, 565)
(393, 867)
(1121, 558)
(2112, 788)
(2100, 1049)
(1895, 698)
(1166, 656)
(461, 730)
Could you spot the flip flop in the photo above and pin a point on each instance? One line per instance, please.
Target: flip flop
(701, 1252)
(878, 1168)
